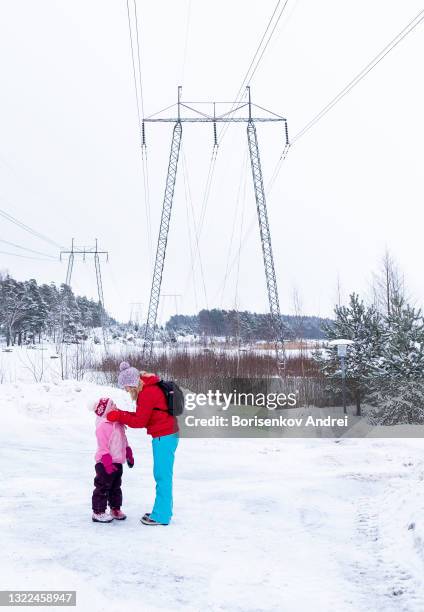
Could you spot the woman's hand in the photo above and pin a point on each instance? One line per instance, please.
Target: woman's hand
(113, 415)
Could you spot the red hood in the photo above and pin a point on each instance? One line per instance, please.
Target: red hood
(150, 380)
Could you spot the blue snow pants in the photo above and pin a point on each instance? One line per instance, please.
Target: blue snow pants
(164, 448)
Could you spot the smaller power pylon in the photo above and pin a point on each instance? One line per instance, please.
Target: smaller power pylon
(176, 296)
(87, 252)
(172, 295)
(136, 313)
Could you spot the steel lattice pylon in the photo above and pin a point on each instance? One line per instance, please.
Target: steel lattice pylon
(86, 252)
(69, 270)
(162, 239)
(271, 279)
(101, 298)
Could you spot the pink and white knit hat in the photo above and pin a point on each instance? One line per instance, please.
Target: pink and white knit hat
(102, 406)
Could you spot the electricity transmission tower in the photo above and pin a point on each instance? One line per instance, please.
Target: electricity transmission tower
(169, 295)
(136, 314)
(198, 116)
(172, 295)
(88, 252)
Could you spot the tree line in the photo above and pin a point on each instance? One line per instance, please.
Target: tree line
(29, 310)
(244, 325)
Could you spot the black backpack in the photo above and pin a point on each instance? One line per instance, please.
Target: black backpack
(174, 397)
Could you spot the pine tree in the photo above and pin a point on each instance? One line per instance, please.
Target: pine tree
(70, 314)
(399, 369)
(12, 308)
(363, 326)
(27, 310)
(50, 296)
(36, 309)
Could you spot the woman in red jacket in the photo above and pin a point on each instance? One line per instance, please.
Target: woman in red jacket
(152, 413)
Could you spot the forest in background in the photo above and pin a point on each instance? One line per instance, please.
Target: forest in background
(245, 325)
(29, 310)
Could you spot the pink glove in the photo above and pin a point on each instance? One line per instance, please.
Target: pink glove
(130, 457)
(108, 464)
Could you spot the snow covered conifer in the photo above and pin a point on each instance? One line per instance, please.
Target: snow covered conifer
(12, 308)
(363, 326)
(36, 310)
(398, 372)
(70, 314)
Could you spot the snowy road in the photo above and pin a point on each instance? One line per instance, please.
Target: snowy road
(260, 525)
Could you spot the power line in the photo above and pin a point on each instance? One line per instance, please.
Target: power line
(363, 73)
(133, 66)
(245, 82)
(277, 168)
(25, 227)
(187, 199)
(26, 249)
(146, 190)
(242, 184)
(138, 57)
(187, 31)
(138, 89)
(208, 186)
(268, 41)
(252, 222)
(357, 79)
(236, 292)
(27, 256)
(196, 230)
(247, 79)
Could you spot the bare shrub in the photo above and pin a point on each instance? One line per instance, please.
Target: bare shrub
(34, 365)
(226, 371)
(75, 363)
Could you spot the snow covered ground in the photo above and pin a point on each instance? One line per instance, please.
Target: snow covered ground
(288, 525)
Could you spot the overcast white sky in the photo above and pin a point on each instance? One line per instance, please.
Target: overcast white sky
(70, 161)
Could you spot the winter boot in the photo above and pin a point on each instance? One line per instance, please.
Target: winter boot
(146, 520)
(101, 517)
(117, 514)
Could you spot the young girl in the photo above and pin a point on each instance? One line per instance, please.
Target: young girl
(112, 452)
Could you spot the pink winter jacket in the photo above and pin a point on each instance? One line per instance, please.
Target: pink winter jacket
(111, 439)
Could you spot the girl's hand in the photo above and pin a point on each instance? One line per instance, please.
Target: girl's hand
(113, 416)
(130, 457)
(108, 463)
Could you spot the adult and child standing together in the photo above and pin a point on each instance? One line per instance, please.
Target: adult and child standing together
(113, 449)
